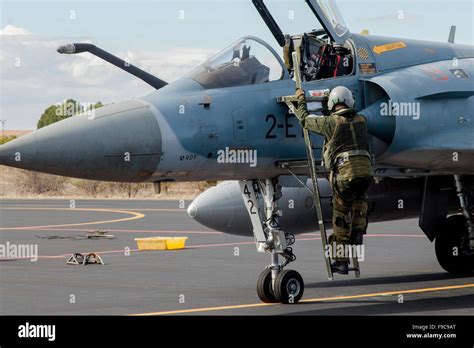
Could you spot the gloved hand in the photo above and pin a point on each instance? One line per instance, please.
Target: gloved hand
(301, 110)
(299, 94)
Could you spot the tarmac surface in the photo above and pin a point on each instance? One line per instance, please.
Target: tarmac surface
(215, 274)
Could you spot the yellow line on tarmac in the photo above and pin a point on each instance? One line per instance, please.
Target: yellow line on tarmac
(205, 309)
(134, 216)
(311, 300)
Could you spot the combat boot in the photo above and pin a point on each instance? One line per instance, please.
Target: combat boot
(341, 267)
(357, 238)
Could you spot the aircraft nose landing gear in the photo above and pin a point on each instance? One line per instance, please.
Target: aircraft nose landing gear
(274, 284)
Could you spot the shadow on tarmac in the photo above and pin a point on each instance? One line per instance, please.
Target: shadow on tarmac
(409, 306)
(414, 278)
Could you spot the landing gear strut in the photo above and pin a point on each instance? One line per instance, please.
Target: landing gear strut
(455, 243)
(274, 284)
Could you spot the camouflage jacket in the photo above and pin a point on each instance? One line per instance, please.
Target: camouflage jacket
(357, 166)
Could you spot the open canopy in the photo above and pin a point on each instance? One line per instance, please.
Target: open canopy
(330, 18)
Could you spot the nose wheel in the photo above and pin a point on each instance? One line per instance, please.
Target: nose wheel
(289, 286)
(264, 287)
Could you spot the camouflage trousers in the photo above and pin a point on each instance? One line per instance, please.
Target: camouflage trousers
(349, 209)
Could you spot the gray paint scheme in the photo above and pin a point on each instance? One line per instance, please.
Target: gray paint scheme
(82, 148)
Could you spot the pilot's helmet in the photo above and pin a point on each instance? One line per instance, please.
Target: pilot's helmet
(340, 95)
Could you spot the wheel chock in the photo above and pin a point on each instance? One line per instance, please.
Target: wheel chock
(76, 259)
(89, 259)
(93, 259)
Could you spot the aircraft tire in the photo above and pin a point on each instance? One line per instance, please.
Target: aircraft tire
(289, 287)
(264, 287)
(447, 242)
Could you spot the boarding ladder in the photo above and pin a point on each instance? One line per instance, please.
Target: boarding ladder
(314, 170)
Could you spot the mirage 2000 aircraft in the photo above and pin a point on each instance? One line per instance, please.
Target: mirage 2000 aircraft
(224, 121)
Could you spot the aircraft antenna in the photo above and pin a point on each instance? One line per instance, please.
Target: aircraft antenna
(452, 34)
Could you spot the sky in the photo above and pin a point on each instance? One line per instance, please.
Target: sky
(168, 39)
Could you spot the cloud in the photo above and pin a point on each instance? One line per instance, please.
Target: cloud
(12, 30)
(33, 75)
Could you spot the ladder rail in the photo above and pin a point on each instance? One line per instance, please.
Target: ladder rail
(289, 100)
(317, 203)
(313, 173)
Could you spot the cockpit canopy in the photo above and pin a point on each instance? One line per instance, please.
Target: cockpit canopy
(248, 61)
(331, 17)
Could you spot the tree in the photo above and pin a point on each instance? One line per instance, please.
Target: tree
(96, 105)
(6, 138)
(68, 108)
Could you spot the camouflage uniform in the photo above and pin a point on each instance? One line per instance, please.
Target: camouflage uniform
(346, 154)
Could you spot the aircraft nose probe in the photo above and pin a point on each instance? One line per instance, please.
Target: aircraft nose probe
(74, 48)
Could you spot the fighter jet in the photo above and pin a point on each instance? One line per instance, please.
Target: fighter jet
(225, 121)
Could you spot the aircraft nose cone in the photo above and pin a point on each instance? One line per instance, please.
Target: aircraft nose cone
(222, 208)
(118, 142)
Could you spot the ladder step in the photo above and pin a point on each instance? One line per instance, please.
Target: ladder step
(292, 98)
(301, 164)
